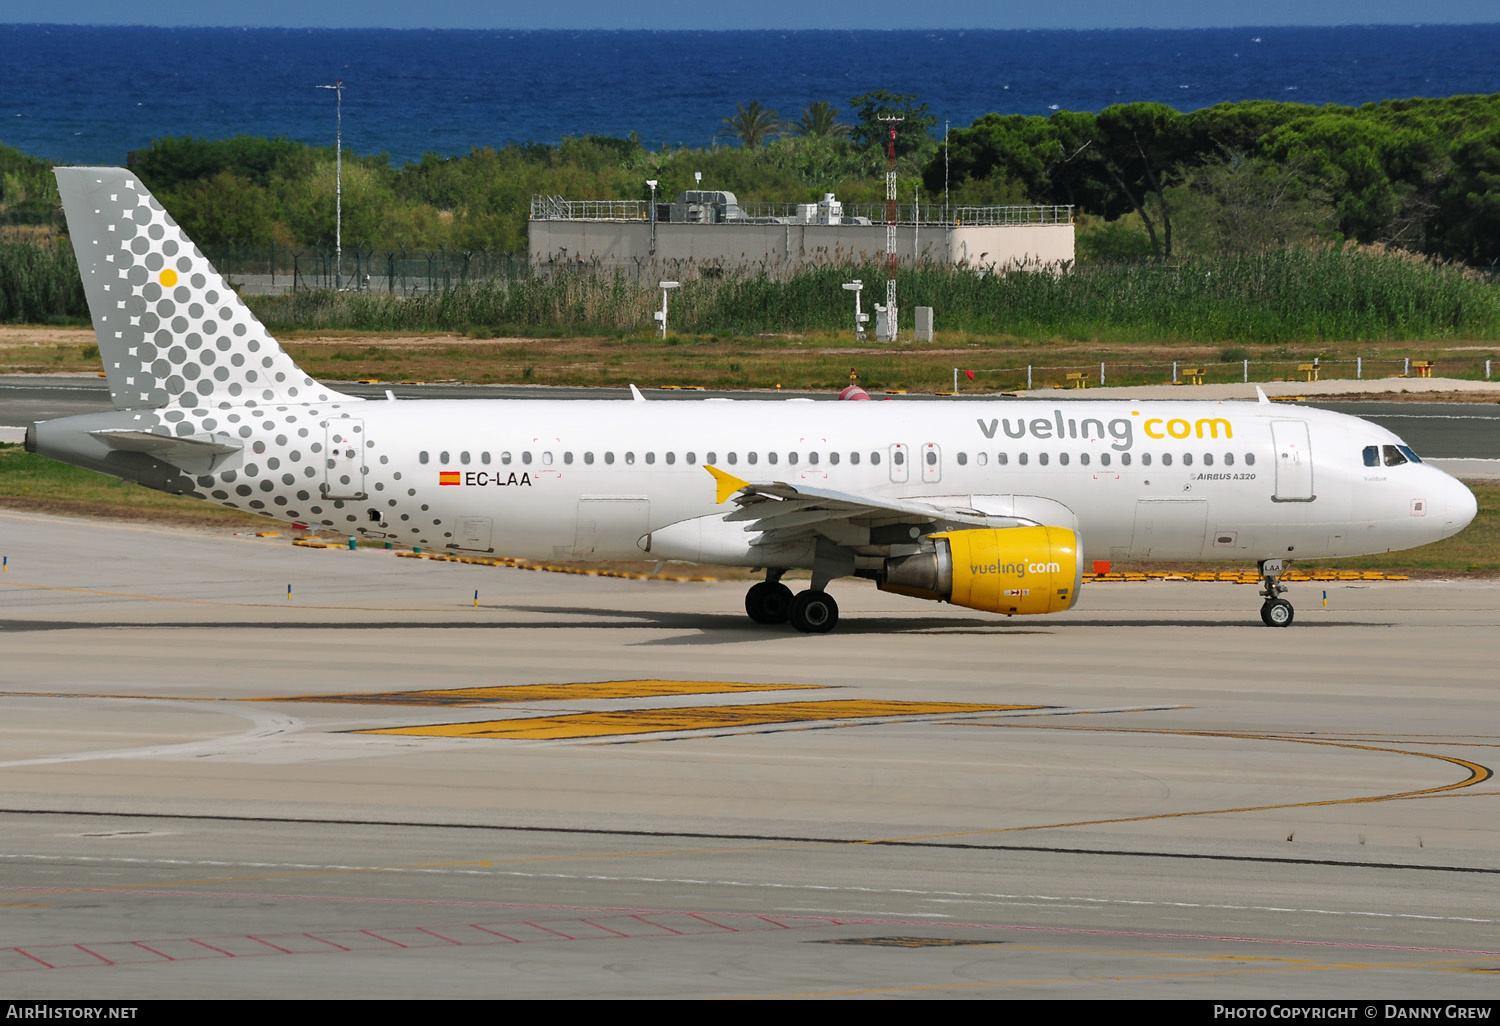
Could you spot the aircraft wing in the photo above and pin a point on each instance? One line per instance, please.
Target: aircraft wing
(780, 512)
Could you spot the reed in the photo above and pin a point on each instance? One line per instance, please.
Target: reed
(1346, 294)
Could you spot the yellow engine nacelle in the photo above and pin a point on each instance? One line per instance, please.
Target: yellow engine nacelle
(1011, 570)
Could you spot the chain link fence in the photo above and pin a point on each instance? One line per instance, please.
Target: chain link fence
(271, 270)
(1188, 372)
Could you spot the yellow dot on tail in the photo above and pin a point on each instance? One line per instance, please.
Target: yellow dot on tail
(168, 278)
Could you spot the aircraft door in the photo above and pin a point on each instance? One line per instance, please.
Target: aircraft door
(898, 457)
(1294, 471)
(610, 525)
(932, 463)
(1169, 528)
(344, 459)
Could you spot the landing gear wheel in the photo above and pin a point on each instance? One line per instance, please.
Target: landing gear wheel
(768, 602)
(1276, 613)
(814, 612)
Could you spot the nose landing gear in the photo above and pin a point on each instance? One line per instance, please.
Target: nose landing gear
(1276, 611)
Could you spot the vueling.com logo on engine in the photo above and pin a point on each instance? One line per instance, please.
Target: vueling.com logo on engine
(1014, 569)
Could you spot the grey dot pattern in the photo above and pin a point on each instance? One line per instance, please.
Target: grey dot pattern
(186, 358)
(164, 318)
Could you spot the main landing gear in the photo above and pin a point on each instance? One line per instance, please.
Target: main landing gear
(1276, 611)
(812, 612)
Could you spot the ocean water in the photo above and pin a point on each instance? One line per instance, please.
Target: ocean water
(92, 94)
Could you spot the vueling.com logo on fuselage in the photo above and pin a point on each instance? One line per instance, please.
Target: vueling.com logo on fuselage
(1014, 569)
(1119, 431)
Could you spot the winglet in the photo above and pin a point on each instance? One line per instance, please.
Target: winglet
(728, 483)
(635, 395)
(1262, 394)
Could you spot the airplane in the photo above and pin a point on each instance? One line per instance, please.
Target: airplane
(992, 505)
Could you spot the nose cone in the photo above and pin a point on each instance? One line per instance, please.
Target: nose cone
(1459, 505)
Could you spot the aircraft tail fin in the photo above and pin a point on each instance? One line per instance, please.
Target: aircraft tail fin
(171, 332)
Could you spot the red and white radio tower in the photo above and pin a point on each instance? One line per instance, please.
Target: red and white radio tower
(885, 327)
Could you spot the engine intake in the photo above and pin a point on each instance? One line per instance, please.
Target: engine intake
(1011, 570)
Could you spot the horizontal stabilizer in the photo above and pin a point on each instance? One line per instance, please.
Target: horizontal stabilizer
(193, 455)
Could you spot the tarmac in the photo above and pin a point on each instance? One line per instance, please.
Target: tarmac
(231, 767)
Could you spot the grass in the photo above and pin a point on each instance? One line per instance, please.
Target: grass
(1275, 297)
(34, 483)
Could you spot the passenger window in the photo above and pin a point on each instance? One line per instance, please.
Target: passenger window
(931, 458)
(874, 459)
(588, 458)
(1372, 455)
(770, 457)
(1187, 459)
(692, 458)
(1145, 459)
(568, 458)
(791, 457)
(650, 457)
(1393, 457)
(546, 459)
(963, 459)
(1062, 458)
(422, 456)
(1249, 459)
(671, 458)
(1229, 459)
(1125, 459)
(1043, 458)
(630, 459)
(812, 458)
(733, 459)
(1083, 458)
(526, 457)
(1104, 459)
(750, 458)
(833, 458)
(1166, 459)
(505, 458)
(1208, 459)
(484, 457)
(898, 457)
(1023, 459)
(854, 458)
(711, 458)
(463, 457)
(609, 458)
(1002, 458)
(981, 458)
(443, 457)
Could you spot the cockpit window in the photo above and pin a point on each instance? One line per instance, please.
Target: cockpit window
(1372, 455)
(1406, 451)
(1393, 456)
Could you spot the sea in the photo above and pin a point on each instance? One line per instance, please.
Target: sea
(91, 94)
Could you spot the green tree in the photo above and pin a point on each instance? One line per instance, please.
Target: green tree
(753, 125)
(820, 120)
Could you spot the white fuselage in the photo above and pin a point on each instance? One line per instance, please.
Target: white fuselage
(593, 479)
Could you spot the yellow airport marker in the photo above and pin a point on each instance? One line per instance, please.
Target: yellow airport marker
(476, 600)
(288, 592)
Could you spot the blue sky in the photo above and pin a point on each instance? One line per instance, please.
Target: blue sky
(760, 14)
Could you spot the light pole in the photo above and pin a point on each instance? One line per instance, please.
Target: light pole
(338, 189)
(652, 182)
(661, 315)
(859, 318)
(697, 179)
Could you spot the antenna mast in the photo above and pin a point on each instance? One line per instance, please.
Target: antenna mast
(887, 332)
(338, 189)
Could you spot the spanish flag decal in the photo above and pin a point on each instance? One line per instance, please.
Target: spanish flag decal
(448, 477)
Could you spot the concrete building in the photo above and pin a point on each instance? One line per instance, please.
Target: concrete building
(709, 233)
